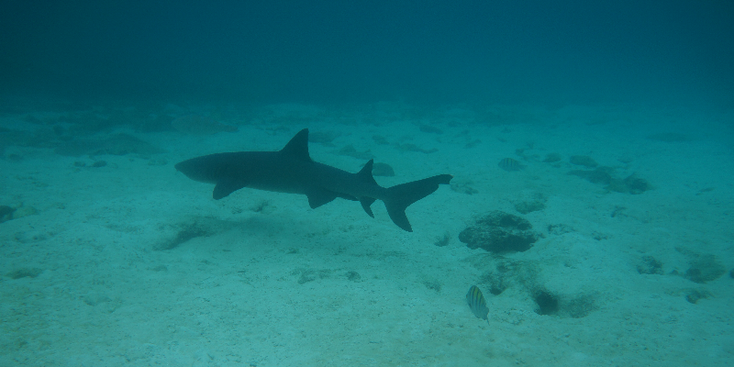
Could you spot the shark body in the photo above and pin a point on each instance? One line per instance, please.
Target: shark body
(291, 170)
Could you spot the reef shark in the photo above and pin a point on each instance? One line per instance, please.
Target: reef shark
(291, 170)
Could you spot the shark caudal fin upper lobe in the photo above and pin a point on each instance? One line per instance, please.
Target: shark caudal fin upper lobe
(401, 196)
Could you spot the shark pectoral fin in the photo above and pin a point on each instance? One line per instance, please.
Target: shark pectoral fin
(366, 202)
(319, 197)
(226, 187)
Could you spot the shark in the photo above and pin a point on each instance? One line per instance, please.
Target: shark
(291, 170)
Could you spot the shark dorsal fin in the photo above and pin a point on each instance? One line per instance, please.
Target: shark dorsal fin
(298, 146)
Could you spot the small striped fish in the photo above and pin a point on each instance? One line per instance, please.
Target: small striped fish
(509, 164)
(476, 302)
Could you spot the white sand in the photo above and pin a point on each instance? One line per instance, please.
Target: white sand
(271, 287)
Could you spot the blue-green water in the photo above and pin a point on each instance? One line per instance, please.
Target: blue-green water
(601, 134)
(336, 52)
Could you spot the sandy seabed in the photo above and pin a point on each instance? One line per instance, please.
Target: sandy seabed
(128, 262)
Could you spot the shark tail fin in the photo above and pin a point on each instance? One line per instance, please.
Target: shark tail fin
(401, 196)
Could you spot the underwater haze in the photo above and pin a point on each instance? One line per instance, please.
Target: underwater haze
(364, 51)
(366, 183)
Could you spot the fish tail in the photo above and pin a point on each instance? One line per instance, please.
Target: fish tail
(399, 197)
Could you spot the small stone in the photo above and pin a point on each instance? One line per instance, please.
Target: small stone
(650, 265)
(583, 160)
(353, 276)
(307, 275)
(704, 269)
(24, 211)
(382, 169)
(443, 241)
(6, 213)
(636, 185)
(432, 284)
(694, 295)
(463, 187)
(526, 207)
(552, 157)
(25, 272)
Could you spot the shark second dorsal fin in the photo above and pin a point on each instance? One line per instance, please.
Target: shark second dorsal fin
(297, 148)
(365, 174)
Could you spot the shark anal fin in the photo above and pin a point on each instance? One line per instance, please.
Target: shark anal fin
(366, 202)
(365, 175)
(319, 197)
(226, 187)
